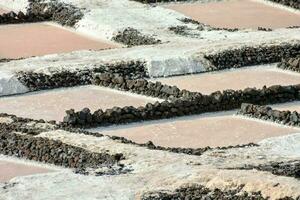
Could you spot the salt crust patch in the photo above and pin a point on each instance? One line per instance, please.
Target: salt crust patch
(15, 5)
(155, 170)
(9, 84)
(162, 60)
(6, 120)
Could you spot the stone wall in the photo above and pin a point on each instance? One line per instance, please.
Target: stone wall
(288, 168)
(292, 3)
(195, 104)
(290, 64)
(195, 191)
(291, 118)
(62, 13)
(54, 152)
(39, 81)
(247, 56)
(33, 127)
(139, 86)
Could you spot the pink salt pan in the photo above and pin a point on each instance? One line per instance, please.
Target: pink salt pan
(52, 104)
(195, 132)
(9, 170)
(207, 83)
(26, 40)
(238, 14)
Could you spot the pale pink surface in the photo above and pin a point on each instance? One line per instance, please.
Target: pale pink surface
(9, 170)
(51, 104)
(200, 131)
(207, 83)
(25, 40)
(238, 14)
(2, 11)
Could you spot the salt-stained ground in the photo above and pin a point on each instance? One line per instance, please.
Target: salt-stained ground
(238, 14)
(176, 55)
(159, 170)
(219, 129)
(236, 79)
(150, 170)
(52, 104)
(36, 39)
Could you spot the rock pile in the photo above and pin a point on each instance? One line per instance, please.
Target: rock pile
(54, 152)
(247, 56)
(39, 10)
(195, 191)
(139, 86)
(267, 113)
(291, 3)
(133, 37)
(38, 81)
(290, 64)
(194, 104)
(290, 168)
(63, 13)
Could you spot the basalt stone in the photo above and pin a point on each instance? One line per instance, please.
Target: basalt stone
(292, 64)
(267, 113)
(199, 192)
(37, 11)
(39, 81)
(133, 37)
(53, 152)
(289, 168)
(195, 103)
(247, 56)
(291, 3)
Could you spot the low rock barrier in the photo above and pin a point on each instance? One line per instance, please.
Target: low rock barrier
(289, 168)
(54, 152)
(38, 81)
(292, 64)
(247, 56)
(267, 113)
(63, 13)
(140, 86)
(133, 37)
(195, 104)
(291, 3)
(196, 191)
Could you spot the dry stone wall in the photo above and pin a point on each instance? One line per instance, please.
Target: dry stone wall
(194, 104)
(38, 10)
(290, 118)
(292, 64)
(247, 56)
